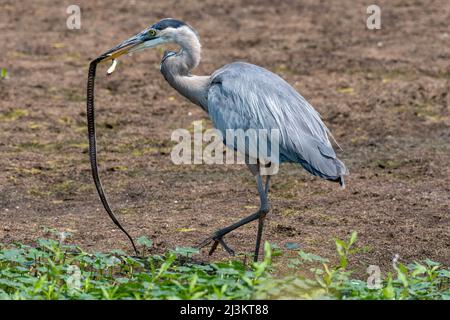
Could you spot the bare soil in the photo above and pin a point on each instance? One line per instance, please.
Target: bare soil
(383, 93)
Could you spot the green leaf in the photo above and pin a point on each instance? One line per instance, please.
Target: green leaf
(418, 269)
(432, 263)
(309, 257)
(343, 262)
(144, 241)
(186, 251)
(444, 273)
(340, 247)
(402, 274)
(3, 73)
(353, 238)
(292, 245)
(388, 291)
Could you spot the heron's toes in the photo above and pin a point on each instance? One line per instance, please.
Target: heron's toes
(226, 247)
(204, 243)
(216, 240)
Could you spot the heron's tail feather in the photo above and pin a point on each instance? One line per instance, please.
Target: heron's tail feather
(317, 158)
(341, 170)
(342, 182)
(325, 164)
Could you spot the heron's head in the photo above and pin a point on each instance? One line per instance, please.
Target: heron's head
(165, 31)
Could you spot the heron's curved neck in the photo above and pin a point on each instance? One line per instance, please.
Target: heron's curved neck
(176, 69)
(189, 54)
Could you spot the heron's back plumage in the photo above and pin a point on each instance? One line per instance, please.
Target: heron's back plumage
(245, 96)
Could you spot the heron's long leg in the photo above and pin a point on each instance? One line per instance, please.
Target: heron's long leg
(260, 214)
(267, 187)
(262, 217)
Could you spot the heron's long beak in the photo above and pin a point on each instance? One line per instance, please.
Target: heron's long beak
(133, 44)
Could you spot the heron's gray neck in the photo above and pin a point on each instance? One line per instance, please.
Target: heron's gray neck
(176, 69)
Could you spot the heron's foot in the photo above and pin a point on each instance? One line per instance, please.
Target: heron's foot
(216, 240)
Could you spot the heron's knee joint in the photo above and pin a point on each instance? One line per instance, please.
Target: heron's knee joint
(264, 210)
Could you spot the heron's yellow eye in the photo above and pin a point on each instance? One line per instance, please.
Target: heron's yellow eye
(151, 33)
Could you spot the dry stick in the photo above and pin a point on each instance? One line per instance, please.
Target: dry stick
(93, 147)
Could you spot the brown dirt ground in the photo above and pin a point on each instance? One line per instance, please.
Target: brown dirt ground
(384, 94)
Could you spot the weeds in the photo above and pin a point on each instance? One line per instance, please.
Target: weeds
(427, 280)
(54, 270)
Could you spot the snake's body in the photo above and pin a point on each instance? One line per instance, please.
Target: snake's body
(93, 147)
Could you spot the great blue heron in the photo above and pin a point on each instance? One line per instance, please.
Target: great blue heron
(241, 96)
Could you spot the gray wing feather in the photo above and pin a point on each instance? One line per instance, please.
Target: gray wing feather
(245, 96)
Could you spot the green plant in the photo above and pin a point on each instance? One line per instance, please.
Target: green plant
(428, 280)
(54, 270)
(3, 73)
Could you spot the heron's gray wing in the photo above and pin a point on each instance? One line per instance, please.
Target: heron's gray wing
(245, 96)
